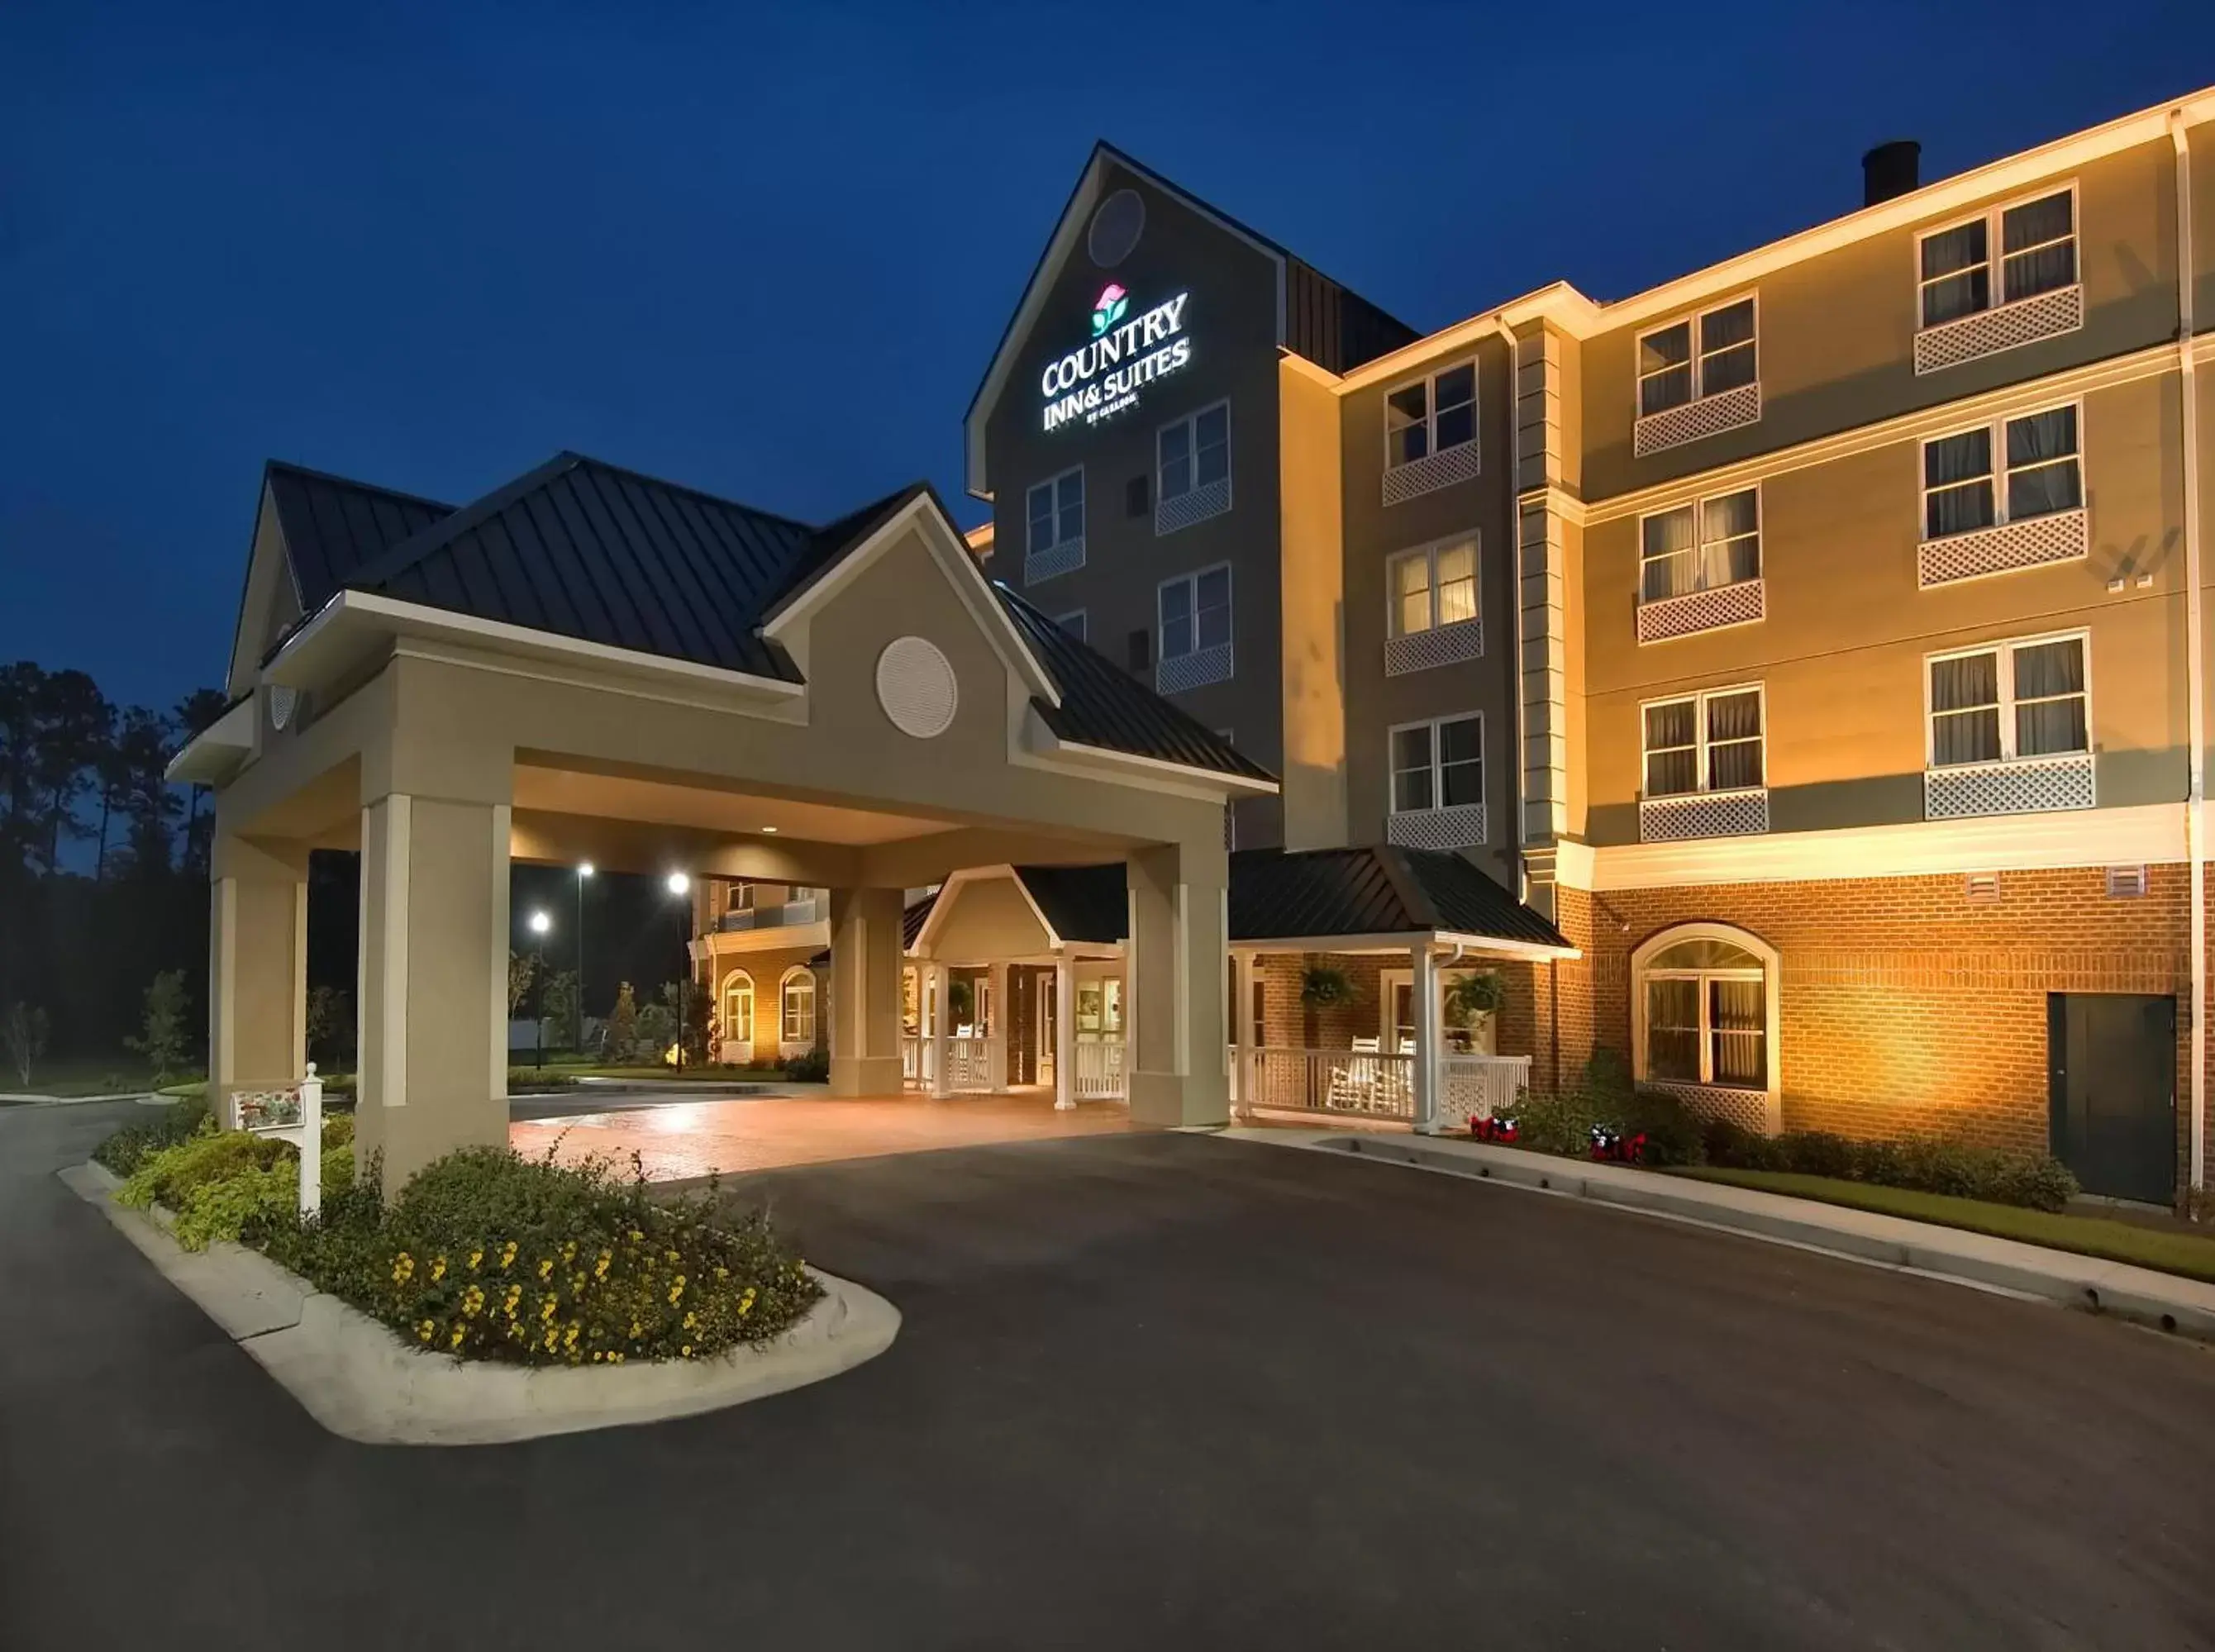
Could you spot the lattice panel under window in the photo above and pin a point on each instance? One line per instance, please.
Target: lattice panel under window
(1195, 505)
(2027, 786)
(1064, 558)
(1459, 827)
(1442, 645)
(2025, 320)
(1193, 670)
(1754, 1110)
(1430, 473)
(1701, 611)
(1703, 815)
(1708, 416)
(2061, 536)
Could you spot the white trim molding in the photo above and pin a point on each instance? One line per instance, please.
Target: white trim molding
(1764, 1107)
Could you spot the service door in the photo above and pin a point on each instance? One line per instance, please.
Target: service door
(2111, 1060)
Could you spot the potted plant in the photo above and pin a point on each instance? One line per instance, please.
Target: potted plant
(1467, 999)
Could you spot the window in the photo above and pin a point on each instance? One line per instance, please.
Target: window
(1073, 624)
(1704, 742)
(1196, 613)
(1700, 546)
(1195, 452)
(797, 998)
(2039, 473)
(1437, 764)
(1704, 1010)
(2037, 242)
(2026, 699)
(738, 1008)
(1057, 512)
(1433, 587)
(1702, 356)
(1431, 415)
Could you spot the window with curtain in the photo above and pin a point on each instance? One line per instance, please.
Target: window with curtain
(1431, 415)
(1707, 1015)
(1704, 742)
(1057, 511)
(2037, 244)
(1195, 452)
(1195, 613)
(1700, 356)
(2016, 700)
(2039, 471)
(1700, 546)
(739, 1009)
(1439, 764)
(1433, 587)
(799, 1007)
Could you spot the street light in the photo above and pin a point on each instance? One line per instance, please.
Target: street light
(541, 926)
(540, 923)
(680, 886)
(584, 871)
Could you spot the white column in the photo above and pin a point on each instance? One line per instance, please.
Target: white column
(1001, 1017)
(940, 984)
(1064, 1033)
(1425, 992)
(1242, 1034)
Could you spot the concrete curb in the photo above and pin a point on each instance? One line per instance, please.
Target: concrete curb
(2165, 1300)
(360, 1381)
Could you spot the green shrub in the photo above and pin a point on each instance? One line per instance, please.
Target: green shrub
(540, 1078)
(813, 1068)
(219, 1185)
(489, 1255)
(1672, 1135)
(1921, 1164)
(122, 1150)
(1556, 1124)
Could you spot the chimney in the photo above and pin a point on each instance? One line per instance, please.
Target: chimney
(1891, 169)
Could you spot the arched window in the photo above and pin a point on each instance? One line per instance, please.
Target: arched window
(798, 1001)
(738, 1008)
(1703, 1006)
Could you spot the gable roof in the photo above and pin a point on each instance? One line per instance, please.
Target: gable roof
(1316, 317)
(1081, 903)
(333, 526)
(1379, 889)
(1104, 706)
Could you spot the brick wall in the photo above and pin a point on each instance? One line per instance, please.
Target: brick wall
(1287, 1024)
(1904, 1006)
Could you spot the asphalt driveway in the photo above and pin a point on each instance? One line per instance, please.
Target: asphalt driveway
(1158, 1391)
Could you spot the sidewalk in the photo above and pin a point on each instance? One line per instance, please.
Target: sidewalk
(2163, 1300)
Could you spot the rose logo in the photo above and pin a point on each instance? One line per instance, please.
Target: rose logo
(1109, 308)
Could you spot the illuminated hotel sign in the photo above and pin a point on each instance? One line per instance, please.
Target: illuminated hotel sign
(1104, 378)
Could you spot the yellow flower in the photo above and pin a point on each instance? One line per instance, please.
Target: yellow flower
(475, 1257)
(569, 1337)
(545, 1267)
(634, 1328)
(635, 1235)
(598, 1356)
(722, 1273)
(425, 1329)
(437, 1269)
(691, 1320)
(569, 1251)
(546, 1309)
(687, 1350)
(457, 1336)
(507, 1254)
(600, 1269)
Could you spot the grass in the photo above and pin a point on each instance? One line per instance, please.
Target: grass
(692, 1074)
(88, 1075)
(2186, 1254)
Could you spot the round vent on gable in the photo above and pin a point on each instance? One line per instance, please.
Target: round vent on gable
(915, 686)
(1116, 228)
(283, 701)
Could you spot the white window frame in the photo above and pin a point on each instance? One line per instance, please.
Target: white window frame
(1082, 628)
(1052, 485)
(797, 974)
(1429, 381)
(1698, 360)
(1995, 427)
(1162, 494)
(1698, 700)
(1475, 541)
(2005, 647)
(1698, 507)
(732, 981)
(1438, 767)
(1771, 975)
(1995, 258)
(1161, 617)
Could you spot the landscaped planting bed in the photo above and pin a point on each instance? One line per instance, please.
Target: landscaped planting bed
(483, 1255)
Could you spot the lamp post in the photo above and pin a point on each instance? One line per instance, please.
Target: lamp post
(584, 871)
(680, 886)
(540, 925)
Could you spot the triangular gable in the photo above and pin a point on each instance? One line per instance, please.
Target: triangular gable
(947, 905)
(1068, 231)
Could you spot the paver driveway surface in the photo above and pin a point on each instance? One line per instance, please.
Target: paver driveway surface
(1155, 1390)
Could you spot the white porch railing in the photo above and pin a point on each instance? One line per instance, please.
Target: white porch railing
(915, 1058)
(969, 1063)
(1353, 1082)
(1477, 1087)
(1098, 1074)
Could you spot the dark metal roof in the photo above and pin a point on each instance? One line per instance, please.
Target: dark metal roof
(1081, 903)
(333, 526)
(1102, 705)
(1378, 890)
(911, 920)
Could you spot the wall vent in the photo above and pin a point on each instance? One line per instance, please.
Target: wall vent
(1981, 889)
(2125, 883)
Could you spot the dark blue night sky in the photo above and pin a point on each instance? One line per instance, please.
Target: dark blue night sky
(767, 252)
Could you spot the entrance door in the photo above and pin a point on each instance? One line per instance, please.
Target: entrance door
(2111, 1071)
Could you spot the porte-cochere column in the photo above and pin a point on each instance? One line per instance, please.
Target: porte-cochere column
(1175, 1014)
